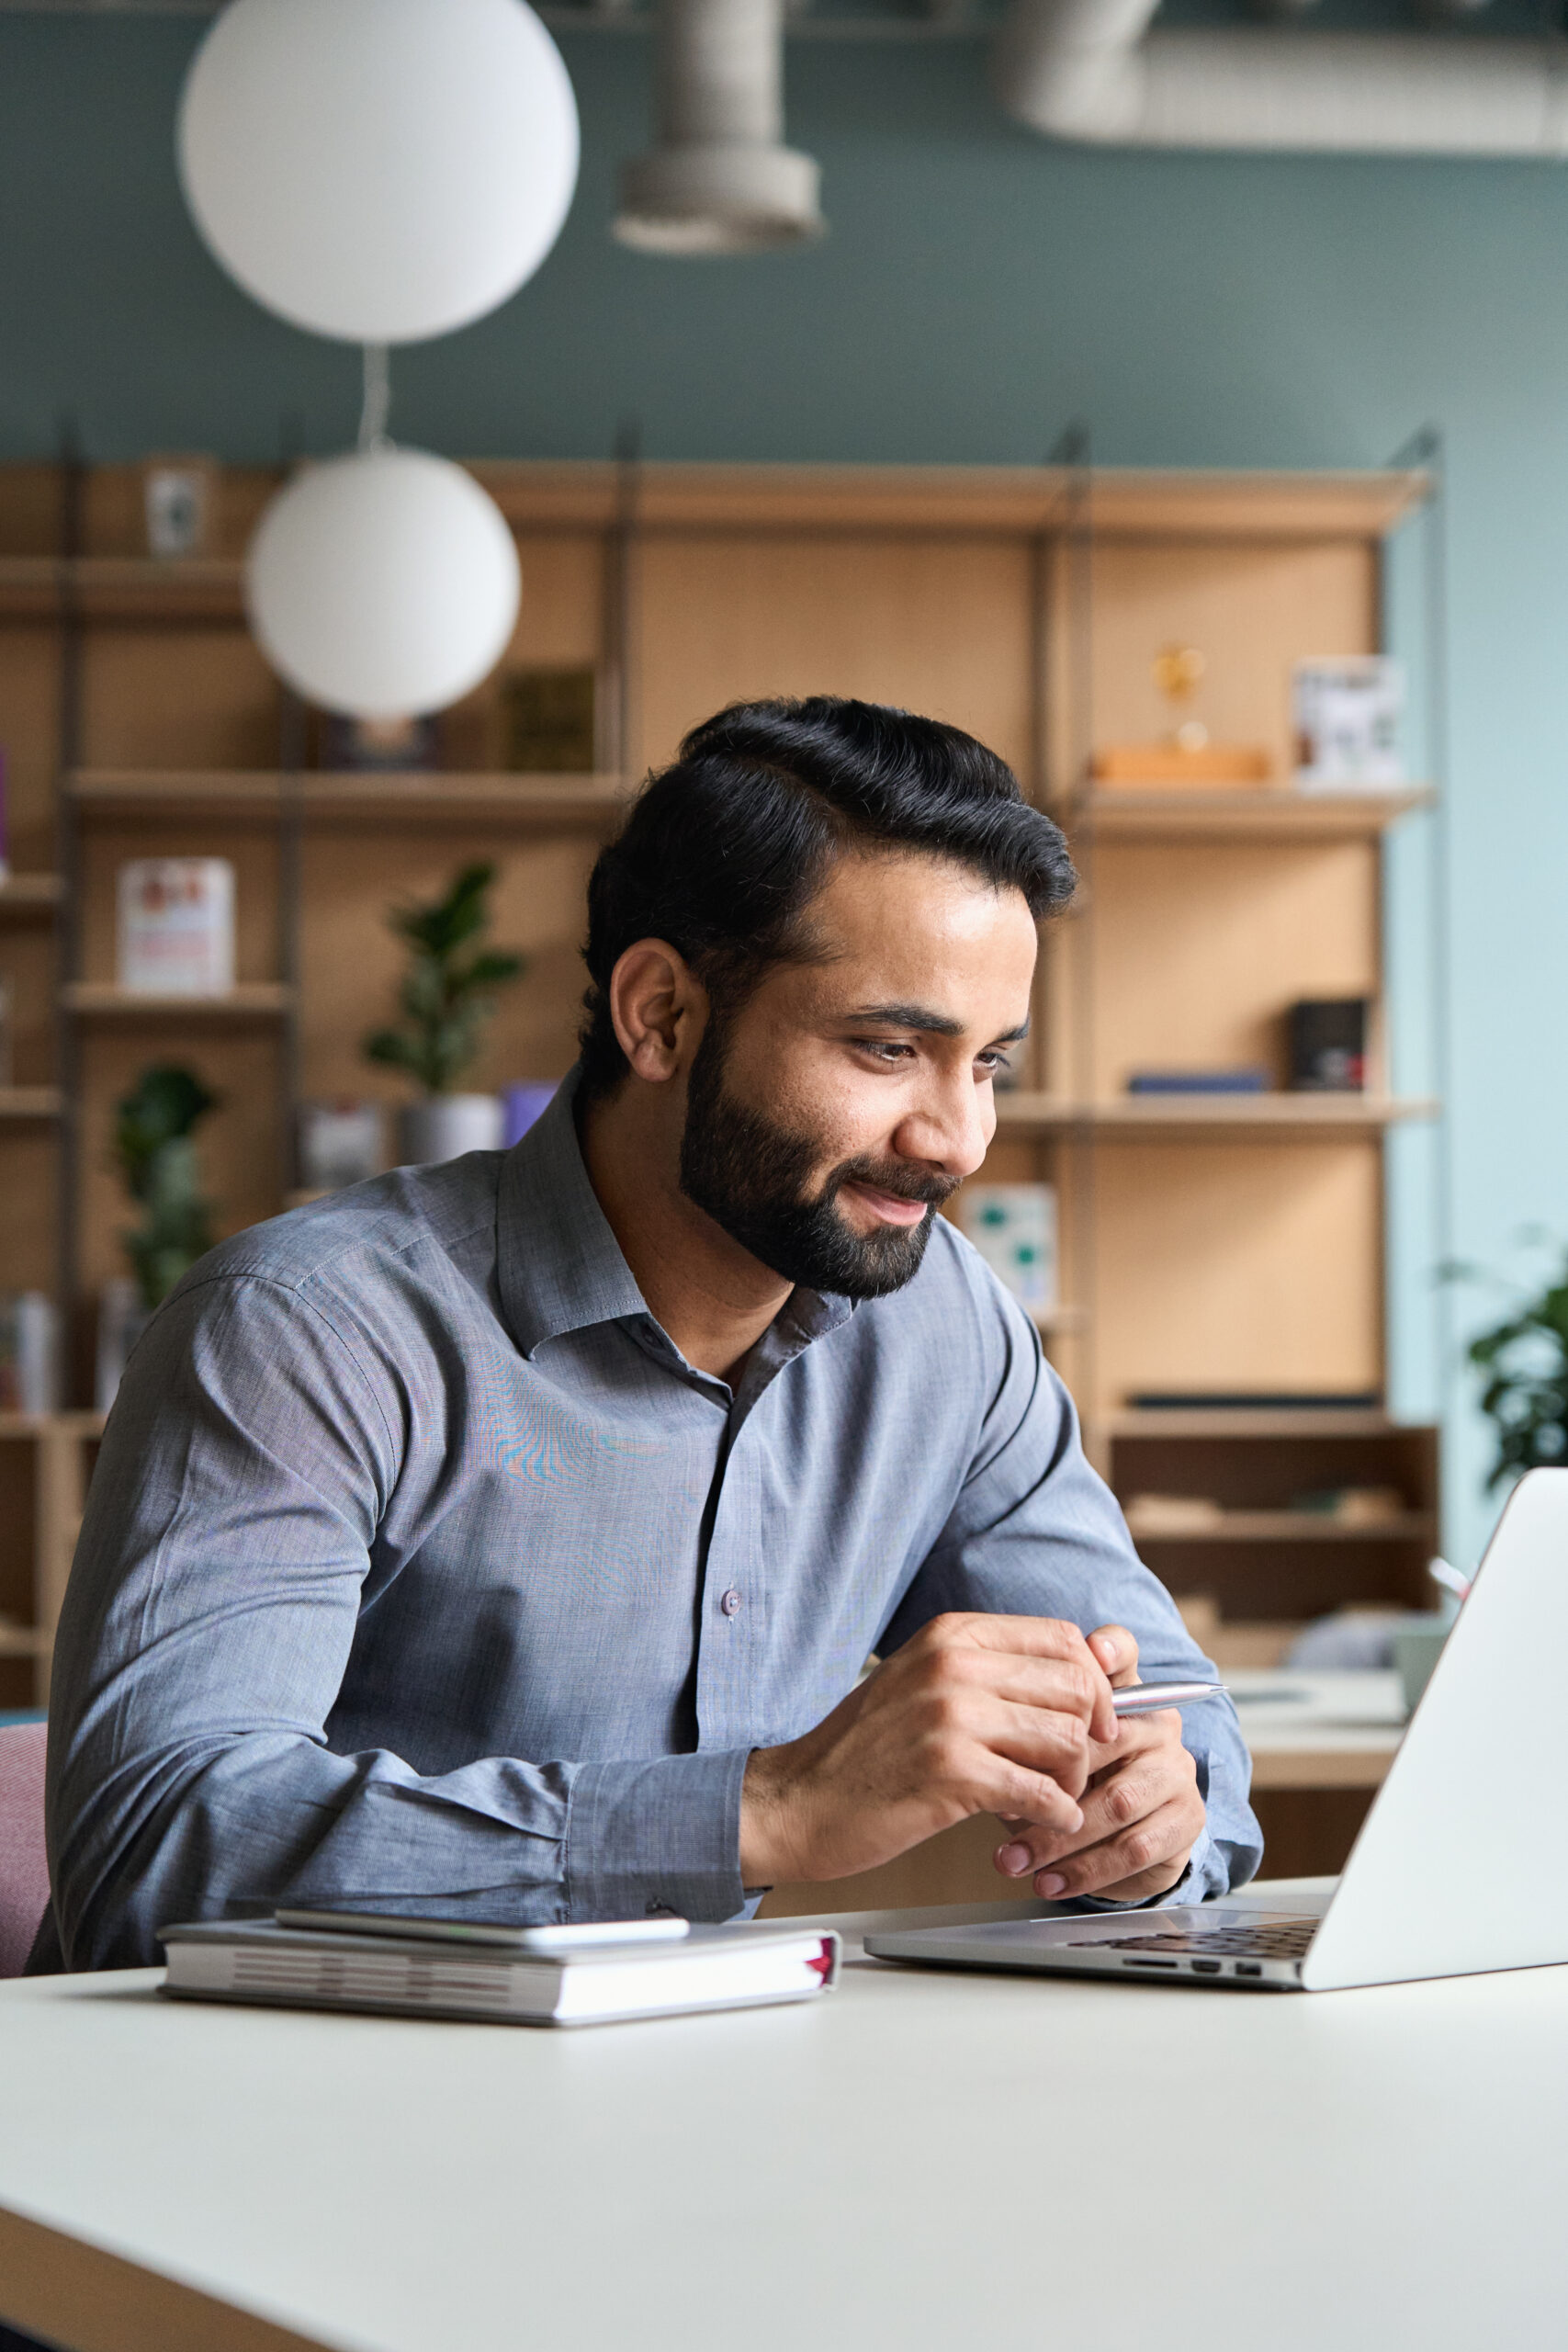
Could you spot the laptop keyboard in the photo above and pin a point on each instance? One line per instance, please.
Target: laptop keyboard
(1278, 1939)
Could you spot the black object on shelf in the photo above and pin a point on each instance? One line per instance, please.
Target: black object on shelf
(1328, 1044)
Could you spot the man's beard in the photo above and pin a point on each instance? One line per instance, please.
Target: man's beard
(750, 1175)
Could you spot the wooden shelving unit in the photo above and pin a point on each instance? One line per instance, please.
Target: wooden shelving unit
(1210, 1243)
(1221, 1243)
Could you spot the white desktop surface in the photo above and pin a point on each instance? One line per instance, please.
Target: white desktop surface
(1281, 1712)
(922, 2160)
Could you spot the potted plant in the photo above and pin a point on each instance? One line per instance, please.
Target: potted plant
(445, 998)
(154, 1148)
(1523, 1361)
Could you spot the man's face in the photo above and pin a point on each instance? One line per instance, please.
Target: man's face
(851, 1094)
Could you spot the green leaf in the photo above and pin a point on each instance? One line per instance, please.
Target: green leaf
(489, 971)
(443, 1003)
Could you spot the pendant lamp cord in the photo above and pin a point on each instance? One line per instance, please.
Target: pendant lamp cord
(377, 404)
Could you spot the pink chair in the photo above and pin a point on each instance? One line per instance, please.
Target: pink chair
(24, 1869)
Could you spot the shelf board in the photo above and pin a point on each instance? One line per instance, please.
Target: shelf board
(377, 799)
(1228, 1422)
(1263, 815)
(1253, 1116)
(29, 894)
(23, 1641)
(1288, 1527)
(1115, 502)
(123, 587)
(1049, 1320)
(67, 1424)
(252, 1000)
(22, 1103)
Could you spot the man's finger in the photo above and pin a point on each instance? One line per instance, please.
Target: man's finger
(1068, 1686)
(1045, 1742)
(1035, 1637)
(1115, 1649)
(1002, 1785)
(1130, 1790)
(1142, 1859)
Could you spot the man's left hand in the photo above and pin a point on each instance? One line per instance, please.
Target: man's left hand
(1141, 1812)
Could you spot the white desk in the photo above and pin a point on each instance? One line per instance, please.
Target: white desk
(924, 2163)
(1318, 1731)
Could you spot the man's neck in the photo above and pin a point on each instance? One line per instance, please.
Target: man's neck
(711, 1296)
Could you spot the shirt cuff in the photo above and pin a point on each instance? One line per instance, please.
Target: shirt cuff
(657, 1835)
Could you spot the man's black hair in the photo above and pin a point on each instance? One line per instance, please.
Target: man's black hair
(723, 851)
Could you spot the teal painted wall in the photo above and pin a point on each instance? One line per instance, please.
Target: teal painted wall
(980, 288)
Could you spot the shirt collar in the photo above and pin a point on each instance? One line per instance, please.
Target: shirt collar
(559, 1266)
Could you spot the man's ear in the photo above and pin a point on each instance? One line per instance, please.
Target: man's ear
(660, 1009)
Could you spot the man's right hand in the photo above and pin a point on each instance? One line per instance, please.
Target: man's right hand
(976, 1715)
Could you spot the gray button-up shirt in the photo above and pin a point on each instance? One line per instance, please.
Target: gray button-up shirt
(421, 1569)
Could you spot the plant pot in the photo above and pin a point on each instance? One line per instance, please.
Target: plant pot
(443, 1126)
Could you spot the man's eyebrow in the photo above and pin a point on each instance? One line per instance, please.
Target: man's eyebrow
(932, 1024)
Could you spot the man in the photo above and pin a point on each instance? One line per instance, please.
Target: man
(507, 1538)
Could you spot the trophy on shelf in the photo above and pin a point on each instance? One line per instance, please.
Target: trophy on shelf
(1186, 757)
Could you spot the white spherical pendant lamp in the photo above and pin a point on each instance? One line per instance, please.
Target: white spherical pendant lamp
(383, 585)
(380, 171)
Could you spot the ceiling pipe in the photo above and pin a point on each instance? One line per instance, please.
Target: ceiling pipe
(720, 179)
(1090, 70)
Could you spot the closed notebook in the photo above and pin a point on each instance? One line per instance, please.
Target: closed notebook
(319, 1968)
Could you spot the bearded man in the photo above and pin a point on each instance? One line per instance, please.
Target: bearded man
(507, 1539)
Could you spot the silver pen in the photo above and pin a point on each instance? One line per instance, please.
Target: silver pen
(1143, 1698)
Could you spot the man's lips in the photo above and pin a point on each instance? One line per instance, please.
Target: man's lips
(892, 1209)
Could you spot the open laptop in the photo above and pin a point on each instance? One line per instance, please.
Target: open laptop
(1459, 1865)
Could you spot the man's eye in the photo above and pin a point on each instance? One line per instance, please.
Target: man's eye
(887, 1049)
(991, 1061)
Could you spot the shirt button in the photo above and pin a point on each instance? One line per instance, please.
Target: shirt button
(730, 1602)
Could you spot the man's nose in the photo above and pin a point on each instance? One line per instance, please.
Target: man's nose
(951, 1128)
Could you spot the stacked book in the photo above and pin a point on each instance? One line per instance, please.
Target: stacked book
(449, 1968)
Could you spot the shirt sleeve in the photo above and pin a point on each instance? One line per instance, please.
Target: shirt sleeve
(1035, 1532)
(229, 1550)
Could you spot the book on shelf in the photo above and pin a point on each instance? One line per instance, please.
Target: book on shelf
(30, 1352)
(1244, 1080)
(176, 923)
(515, 1976)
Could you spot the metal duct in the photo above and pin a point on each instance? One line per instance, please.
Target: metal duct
(721, 180)
(1089, 70)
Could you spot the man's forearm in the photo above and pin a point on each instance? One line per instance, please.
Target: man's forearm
(265, 1821)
